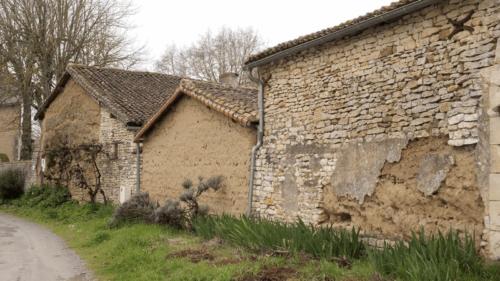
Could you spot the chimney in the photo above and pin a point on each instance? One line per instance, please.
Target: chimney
(229, 78)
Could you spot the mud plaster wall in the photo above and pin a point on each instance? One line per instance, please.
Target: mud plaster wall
(190, 141)
(9, 130)
(76, 117)
(72, 117)
(432, 185)
(344, 120)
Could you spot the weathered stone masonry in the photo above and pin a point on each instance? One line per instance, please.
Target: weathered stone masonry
(491, 86)
(121, 170)
(386, 130)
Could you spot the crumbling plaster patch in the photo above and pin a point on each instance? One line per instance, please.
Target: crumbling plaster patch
(397, 206)
(359, 166)
(432, 171)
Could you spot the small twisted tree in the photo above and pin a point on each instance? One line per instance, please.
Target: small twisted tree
(78, 166)
(192, 193)
(86, 172)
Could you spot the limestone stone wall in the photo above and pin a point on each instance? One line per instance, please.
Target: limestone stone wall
(384, 130)
(119, 170)
(191, 141)
(491, 86)
(9, 130)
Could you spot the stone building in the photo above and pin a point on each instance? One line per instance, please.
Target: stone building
(10, 110)
(205, 129)
(388, 122)
(92, 105)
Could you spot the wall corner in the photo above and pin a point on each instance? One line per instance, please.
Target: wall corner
(492, 102)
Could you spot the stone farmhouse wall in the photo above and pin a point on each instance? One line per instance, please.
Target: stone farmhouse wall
(192, 141)
(120, 172)
(388, 130)
(77, 118)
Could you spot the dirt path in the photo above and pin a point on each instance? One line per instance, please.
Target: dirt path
(29, 252)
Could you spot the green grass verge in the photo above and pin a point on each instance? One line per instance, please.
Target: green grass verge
(138, 251)
(151, 252)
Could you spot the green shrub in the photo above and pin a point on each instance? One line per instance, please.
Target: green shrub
(4, 158)
(46, 196)
(441, 257)
(139, 208)
(170, 214)
(266, 235)
(11, 184)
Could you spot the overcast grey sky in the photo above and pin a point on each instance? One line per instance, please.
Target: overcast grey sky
(162, 22)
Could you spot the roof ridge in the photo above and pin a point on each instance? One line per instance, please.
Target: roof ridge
(77, 65)
(220, 84)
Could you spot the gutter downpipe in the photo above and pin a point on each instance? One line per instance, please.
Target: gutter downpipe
(260, 136)
(138, 167)
(135, 129)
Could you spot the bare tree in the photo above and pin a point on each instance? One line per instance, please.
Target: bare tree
(212, 55)
(38, 38)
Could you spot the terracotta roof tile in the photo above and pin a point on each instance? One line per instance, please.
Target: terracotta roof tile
(133, 96)
(316, 35)
(239, 104)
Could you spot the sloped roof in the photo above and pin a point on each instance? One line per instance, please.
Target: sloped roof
(239, 104)
(132, 96)
(392, 11)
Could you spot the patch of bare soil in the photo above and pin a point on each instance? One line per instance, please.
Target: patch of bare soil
(195, 256)
(271, 274)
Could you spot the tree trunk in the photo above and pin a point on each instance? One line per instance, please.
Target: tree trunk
(26, 145)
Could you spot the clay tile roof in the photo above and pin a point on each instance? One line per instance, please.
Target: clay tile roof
(322, 33)
(239, 104)
(132, 96)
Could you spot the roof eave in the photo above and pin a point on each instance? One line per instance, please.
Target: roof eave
(352, 29)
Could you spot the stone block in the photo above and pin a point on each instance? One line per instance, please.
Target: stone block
(495, 212)
(497, 53)
(494, 245)
(495, 130)
(495, 159)
(494, 188)
(494, 100)
(495, 75)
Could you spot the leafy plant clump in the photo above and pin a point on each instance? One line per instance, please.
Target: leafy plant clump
(265, 235)
(139, 208)
(46, 196)
(4, 158)
(170, 214)
(11, 184)
(441, 257)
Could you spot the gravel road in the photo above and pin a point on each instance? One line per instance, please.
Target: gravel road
(29, 252)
